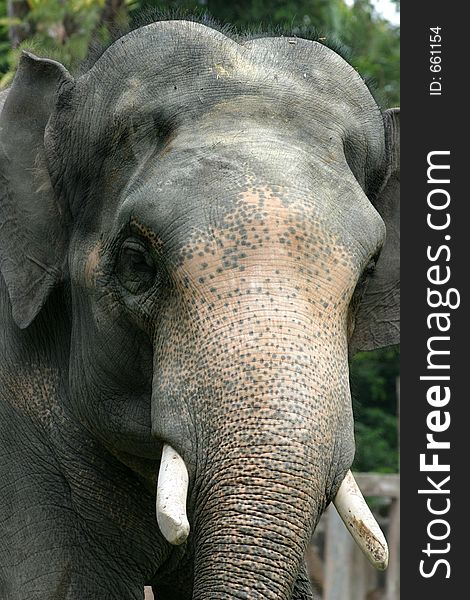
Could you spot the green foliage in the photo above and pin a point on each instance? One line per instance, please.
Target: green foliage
(4, 41)
(374, 46)
(374, 389)
(61, 30)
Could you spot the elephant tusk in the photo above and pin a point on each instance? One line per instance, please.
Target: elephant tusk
(172, 490)
(359, 520)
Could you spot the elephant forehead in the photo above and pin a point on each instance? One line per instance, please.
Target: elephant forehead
(265, 230)
(170, 73)
(264, 238)
(153, 86)
(241, 205)
(171, 52)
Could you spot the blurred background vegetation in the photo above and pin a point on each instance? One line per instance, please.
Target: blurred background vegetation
(67, 29)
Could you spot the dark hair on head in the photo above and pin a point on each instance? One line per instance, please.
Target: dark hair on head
(153, 15)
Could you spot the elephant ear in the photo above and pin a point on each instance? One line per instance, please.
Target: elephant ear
(32, 232)
(378, 316)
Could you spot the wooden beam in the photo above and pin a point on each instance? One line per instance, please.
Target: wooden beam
(379, 484)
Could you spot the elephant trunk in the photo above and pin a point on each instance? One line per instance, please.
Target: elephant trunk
(253, 525)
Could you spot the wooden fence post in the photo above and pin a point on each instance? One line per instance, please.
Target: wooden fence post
(392, 585)
(338, 552)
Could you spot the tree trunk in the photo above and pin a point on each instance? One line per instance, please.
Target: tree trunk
(18, 10)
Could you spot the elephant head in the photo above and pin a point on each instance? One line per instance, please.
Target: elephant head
(220, 219)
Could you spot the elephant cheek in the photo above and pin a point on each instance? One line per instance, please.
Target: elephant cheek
(91, 268)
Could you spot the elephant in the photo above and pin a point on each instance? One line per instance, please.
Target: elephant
(197, 233)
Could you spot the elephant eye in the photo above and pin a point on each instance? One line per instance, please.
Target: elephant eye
(135, 269)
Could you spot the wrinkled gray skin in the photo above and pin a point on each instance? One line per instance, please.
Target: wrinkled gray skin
(187, 240)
